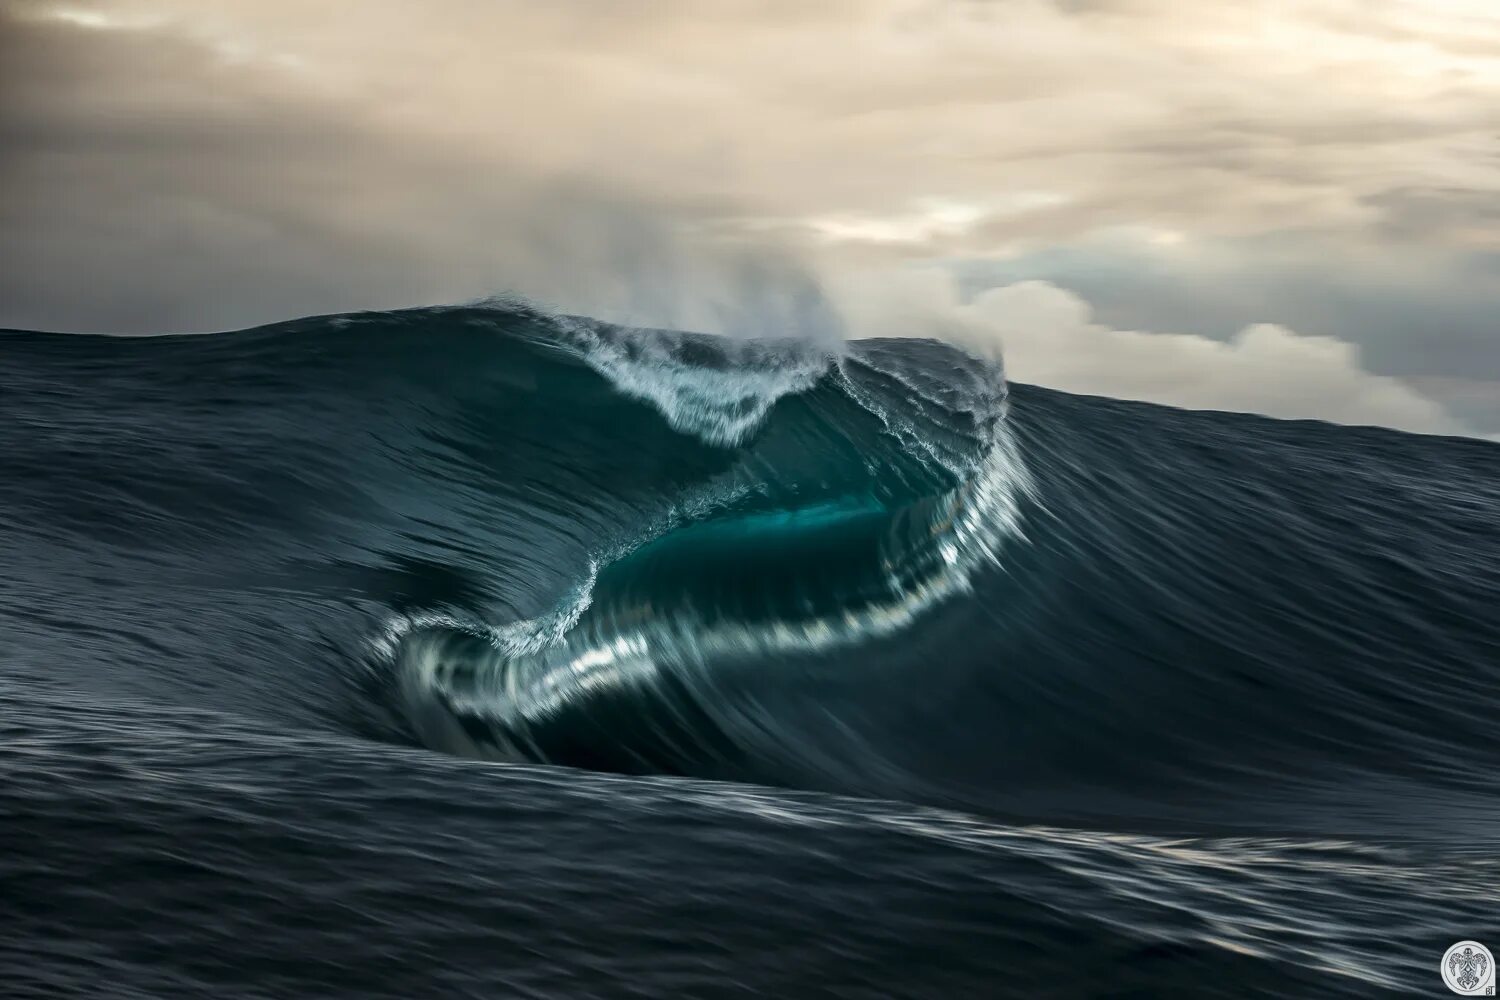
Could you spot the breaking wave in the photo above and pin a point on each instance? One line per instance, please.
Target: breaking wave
(896, 499)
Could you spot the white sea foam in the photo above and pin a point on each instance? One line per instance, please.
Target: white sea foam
(721, 398)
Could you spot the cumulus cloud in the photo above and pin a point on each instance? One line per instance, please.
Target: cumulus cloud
(1414, 311)
(1048, 336)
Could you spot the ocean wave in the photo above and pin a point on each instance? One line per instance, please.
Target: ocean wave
(751, 578)
(879, 570)
(1206, 701)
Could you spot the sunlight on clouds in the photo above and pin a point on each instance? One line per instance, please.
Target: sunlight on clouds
(97, 20)
(933, 218)
(83, 18)
(908, 124)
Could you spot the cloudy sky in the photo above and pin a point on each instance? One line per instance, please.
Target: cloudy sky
(1285, 206)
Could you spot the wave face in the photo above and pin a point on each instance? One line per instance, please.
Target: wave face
(1193, 676)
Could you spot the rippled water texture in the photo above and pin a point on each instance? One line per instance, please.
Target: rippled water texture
(479, 652)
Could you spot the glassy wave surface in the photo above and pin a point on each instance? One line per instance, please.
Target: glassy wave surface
(479, 651)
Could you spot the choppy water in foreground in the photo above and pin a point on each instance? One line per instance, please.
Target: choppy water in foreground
(477, 652)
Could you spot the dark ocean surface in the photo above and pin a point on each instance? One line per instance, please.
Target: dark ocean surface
(476, 652)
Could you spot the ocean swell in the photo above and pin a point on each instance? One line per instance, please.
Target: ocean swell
(1206, 700)
(877, 570)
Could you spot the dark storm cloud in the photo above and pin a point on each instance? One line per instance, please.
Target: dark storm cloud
(152, 185)
(129, 198)
(1457, 213)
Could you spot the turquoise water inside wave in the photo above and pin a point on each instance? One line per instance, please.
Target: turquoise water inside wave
(476, 650)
